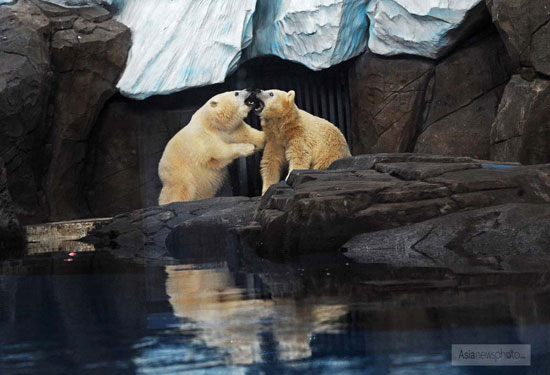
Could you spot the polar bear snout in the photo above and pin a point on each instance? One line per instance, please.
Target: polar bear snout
(250, 99)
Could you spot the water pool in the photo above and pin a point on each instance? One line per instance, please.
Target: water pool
(89, 313)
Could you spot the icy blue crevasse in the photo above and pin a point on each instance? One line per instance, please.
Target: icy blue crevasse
(428, 28)
(316, 33)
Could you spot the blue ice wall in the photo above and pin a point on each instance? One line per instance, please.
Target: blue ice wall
(178, 44)
(182, 44)
(426, 28)
(316, 33)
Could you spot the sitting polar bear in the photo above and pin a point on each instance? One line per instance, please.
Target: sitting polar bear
(294, 137)
(194, 163)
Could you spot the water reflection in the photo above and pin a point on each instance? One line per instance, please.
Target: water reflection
(226, 318)
(99, 315)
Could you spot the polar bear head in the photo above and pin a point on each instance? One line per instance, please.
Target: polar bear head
(226, 111)
(274, 103)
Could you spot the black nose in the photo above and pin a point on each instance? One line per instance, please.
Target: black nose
(257, 91)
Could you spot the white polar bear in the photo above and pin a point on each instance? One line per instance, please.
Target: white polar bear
(194, 163)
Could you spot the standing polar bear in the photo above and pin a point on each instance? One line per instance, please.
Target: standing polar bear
(294, 137)
(194, 163)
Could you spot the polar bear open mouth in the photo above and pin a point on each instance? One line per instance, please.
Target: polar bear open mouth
(258, 106)
(254, 102)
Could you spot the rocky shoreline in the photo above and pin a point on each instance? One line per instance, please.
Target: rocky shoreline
(393, 217)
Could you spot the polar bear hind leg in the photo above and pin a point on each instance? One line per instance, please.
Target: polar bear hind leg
(176, 193)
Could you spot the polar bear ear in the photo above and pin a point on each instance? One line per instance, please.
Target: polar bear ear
(291, 94)
(213, 103)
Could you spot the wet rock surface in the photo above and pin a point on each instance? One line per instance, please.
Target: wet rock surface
(360, 199)
(382, 222)
(163, 232)
(509, 237)
(320, 210)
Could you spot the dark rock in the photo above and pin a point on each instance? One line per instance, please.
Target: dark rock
(512, 237)
(524, 26)
(521, 131)
(63, 23)
(387, 102)
(12, 235)
(444, 108)
(465, 132)
(88, 63)
(467, 87)
(319, 210)
(57, 69)
(194, 229)
(52, 10)
(421, 171)
(124, 153)
(210, 235)
(362, 162)
(25, 79)
(94, 14)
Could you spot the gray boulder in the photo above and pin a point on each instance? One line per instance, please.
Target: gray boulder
(511, 238)
(387, 97)
(88, 59)
(524, 26)
(462, 102)
(191, 230)
(318, 211)
(58, 67)
(25, 83)
(446, 107)
(521, 131)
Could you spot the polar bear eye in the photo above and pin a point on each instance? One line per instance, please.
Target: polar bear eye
(236, 93)
(271, 94)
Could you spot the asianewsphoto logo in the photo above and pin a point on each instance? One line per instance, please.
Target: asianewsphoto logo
(491, 355)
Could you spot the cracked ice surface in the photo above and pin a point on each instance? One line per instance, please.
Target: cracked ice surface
(426, 28)
(182, 44)
(316, 33)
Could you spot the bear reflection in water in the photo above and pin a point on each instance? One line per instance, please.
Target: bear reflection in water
(223, 317)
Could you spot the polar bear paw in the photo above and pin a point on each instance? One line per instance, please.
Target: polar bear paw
(246, 149)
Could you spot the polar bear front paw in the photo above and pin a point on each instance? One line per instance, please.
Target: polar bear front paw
(246, 149)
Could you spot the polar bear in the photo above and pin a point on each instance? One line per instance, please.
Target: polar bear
(194, 163)
(294, 137)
